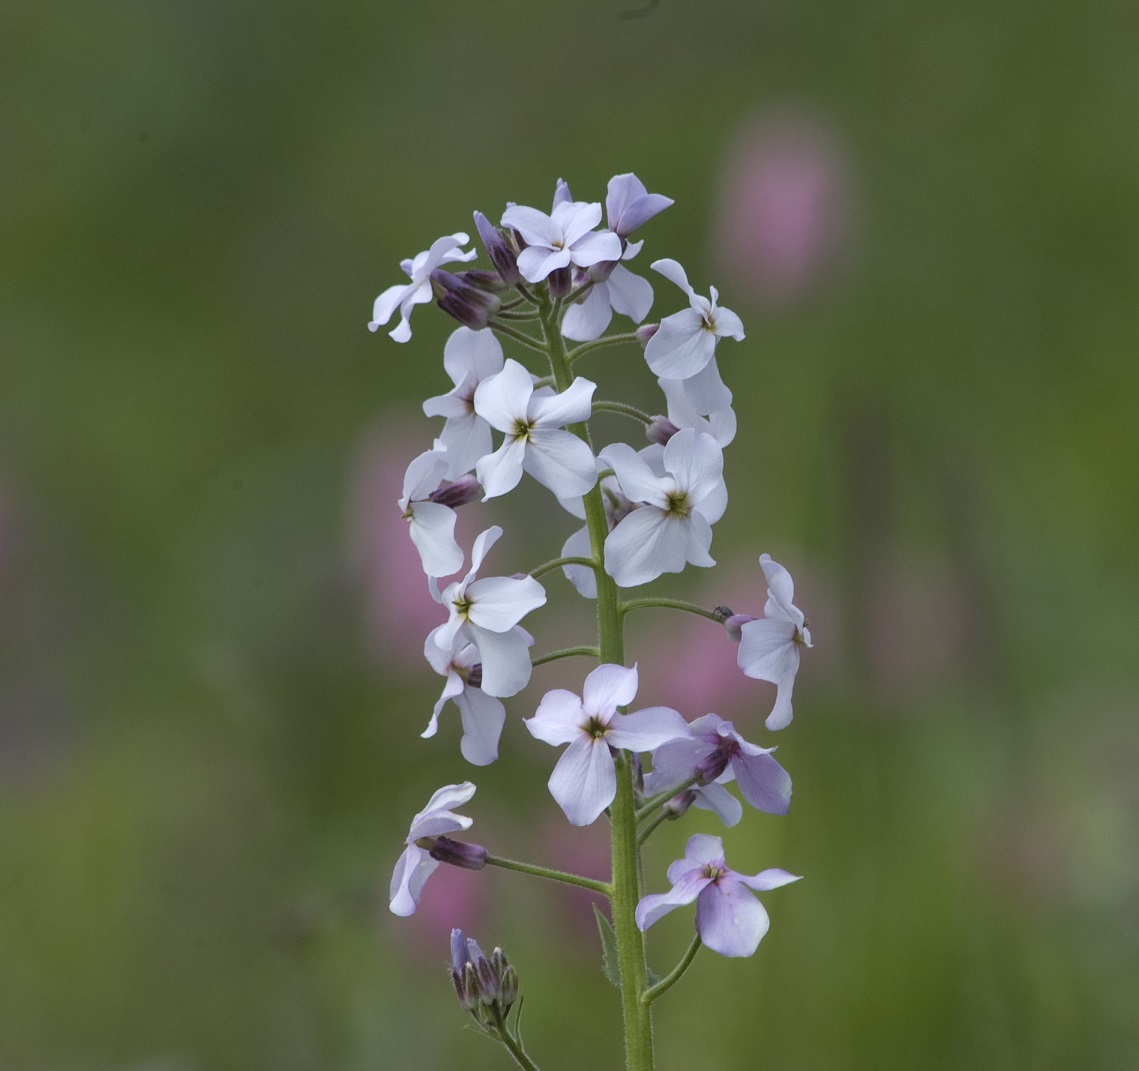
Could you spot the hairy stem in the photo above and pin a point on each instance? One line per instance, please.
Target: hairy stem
(553, 875)
(675, 975)
(565, 652)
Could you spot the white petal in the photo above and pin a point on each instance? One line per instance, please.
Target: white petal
(386, 304)
(721, 802)
(767, 650)
(583, 782)
(674, 273)
(468, 441)
(412, 870)
(483, 542)
(576, 219)
(472, 353)
(596, 248)
(559, 718)
(572, 406)
(781, 588)
(498, 603)
(483, 717)
(681, 347)
(432, 529)
(452, 687)
(704, 850)
(500, 472)
(646, 544)
(768, 879)
(646, 729)
(582, 577)
(629, 294)
(607, 688)
(730, 920)
(535, 263)
(505, 660)
(683, 891)
(638, 481)
(424, 475)
(536, 228)
(728, 324)
(502, 399)
(587, 319)
(560, 461)
(697, 462)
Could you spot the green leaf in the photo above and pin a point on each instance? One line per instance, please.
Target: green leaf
(609, 960)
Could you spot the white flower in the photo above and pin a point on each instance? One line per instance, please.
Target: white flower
(431, 524)
(564, 237)
(686, 341)
(629, 205)
(702, 402)
(482, 715)
(679, 505)
(406, 296)
(469, 357)
(533, 423)
(486, 613)
(584, 782)
(415, 866)
(769, 645)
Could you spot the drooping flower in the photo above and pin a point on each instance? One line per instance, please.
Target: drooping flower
(416, 865)
(716, 753)
(430, 523)
(564, 237)
(584, 782)
(686, 341)
(729, 919)
(536, 441)
(679, 505)
(405, 296)
(482, 715)
(469, 357)
(486, 613)
(769, 645)
(703, 402)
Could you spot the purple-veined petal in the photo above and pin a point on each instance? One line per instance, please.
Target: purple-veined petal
(607, 688)
(502, 399)
(657, 905)
(583, 782)
(638, 481)
(500, 472)
(681, 347)
(560, 461)
(559, 718)
(587, 319)
(505, 660)
(412, 870)
(629, 294)
(432, 530)
(729, 919)
(583, 578)
(674, 273)
(646, 729)
(498, 603)
(646, 544)
(571, 406)
(483, 717)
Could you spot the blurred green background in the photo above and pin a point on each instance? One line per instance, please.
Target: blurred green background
(211, 686)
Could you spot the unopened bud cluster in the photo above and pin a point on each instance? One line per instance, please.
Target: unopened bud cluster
(487, 987)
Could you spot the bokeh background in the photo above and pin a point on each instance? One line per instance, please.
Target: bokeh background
(211, 684)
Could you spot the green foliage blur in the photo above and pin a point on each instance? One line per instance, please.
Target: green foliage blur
(211, 686)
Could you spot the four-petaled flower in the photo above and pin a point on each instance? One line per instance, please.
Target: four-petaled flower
(769, 645)
(564, 237)
(680, 503)
(533, 422)
(431, 523)
(729, 919)
(686, 341)
(415, 866)
(405, 296)
(584, 782)
(486, 613)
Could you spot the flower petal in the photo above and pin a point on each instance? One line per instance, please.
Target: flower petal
(644, 730)
(571, 406)
(729, 919)
(559, 718)
(638, 481)
(681, 347)
(763, 782)
(768, 879)
(483, 717)
(498, 603)
(629, 294)
(467, 353)
(432, 530)
(583, 782)
(502, 399)
(505, 660)
(412, 870)
(583, 578)
(646, 544)
(674, 273)
(768, 651)
(657, 905)
(560, 461)
(500, 472)
(607, 688)
(587, 319)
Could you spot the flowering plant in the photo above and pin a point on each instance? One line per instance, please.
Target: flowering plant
(647, 511)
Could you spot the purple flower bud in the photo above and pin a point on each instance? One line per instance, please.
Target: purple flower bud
(459, 954)
(509, 987)
(560, 282)
(734, 623)
(471, 305)
(457, 493)
(679, 804)
(715, 763)
(645, 332)
(502, 256)
(474, 676)
(469, 999)
(599, 273)
(457, 853)
(488, 980)
(660, 430)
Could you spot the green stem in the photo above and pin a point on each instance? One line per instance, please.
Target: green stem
(565, 878)
(671, 604)
(666, 984)
(557, 563)
(625, 410)
(606, 340)
(519, 336)
(622, 812)
(654, 802)
(565, 652)
(648, 830)
(513, 1045)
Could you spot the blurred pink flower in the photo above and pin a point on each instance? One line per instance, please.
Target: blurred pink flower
(784, 206)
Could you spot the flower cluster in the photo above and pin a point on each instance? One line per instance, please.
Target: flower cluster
(649, 508)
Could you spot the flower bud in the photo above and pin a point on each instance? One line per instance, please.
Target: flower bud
(456, 493)
(502, 256)
(600, 272)
(461, 298)
(679, 804)
(472, 991)
(487, 976)
(645, 332)
(711, 766)
(560, 281)
(457, 853)
(660, 429)
(734, 623)
(459, 955)
(509, 987)
(474, 675)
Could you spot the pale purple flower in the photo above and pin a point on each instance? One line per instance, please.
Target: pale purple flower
(679, 504)
(729, 919)
(486, 613)
(685, 342)
(584, 782)
(405, 296)
(533, 423)
(628, 204)
(469, 357)
(415, 866)
(431, 524)
(564, 237)
(703, 402)
(719, 755)
(482, 715)
(769, 645)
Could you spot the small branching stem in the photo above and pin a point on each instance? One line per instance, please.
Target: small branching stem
(675, 975)
(602, 887)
